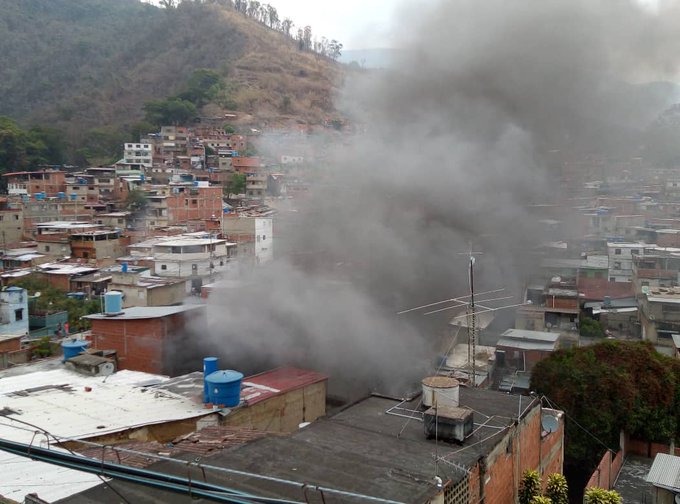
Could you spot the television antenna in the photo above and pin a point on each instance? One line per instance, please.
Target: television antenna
(475, 303)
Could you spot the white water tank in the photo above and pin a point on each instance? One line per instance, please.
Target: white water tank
(440, 391)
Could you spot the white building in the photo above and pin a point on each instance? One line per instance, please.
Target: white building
(193, 258)
(138, 154)
(254, 235)
(13, 311)
(621, 259)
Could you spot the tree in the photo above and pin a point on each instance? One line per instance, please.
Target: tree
(590, 328)
(273, 16)
(541, 499)
(557, 490)
(286, 26)
(171, 111)
(237, 184)
(307, 37)
(530, 487)
(601, 496)
(136, 200)
(586, 382)
(229, 129)
(335, 49)
(202, 86)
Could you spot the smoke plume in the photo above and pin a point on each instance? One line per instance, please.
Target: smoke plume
(445, 151)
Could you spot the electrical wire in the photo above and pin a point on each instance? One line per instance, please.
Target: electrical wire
(273, 479)
(48, 435)
(557, 407)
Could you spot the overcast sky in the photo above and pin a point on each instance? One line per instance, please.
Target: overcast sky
(358, 24)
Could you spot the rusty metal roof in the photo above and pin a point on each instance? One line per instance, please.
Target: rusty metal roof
(277, 381)
(201, 443)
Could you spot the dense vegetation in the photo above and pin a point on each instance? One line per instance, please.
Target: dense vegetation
(88, 67)
(609, 387)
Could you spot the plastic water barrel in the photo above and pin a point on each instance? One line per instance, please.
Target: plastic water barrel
(113, 302)
(224, 387)
(74, 196)
(209, 367)
(72, 348)
(61, 195)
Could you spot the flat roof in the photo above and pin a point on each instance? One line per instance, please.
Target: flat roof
(362, 449)
(190, 241)
(59, 401)
(65, 268)
(145, 312)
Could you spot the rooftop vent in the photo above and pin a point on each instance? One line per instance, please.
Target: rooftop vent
(448, 423)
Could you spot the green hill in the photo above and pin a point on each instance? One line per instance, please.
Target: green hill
(87, 67)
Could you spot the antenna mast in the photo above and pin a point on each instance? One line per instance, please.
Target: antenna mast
(472, 324)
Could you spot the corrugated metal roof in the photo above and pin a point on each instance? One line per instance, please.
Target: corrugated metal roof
(278, 381)
(665, 472)
(59, 401)
(525, 334)
(145, 312)
(525, 344)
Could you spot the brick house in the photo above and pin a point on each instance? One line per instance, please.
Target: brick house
(145, 338)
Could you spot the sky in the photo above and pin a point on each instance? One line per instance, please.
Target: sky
(358, 24)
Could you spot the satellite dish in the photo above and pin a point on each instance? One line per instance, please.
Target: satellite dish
(37, 294)
(550, 424)
(677, 499)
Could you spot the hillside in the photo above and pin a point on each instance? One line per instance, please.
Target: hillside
(89, 66)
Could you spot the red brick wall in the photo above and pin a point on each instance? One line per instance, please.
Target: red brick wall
(552, 451)
(208, 202)
(10, 345)
(530, 439)
(138, 343)
(566, 303)
(501, 473)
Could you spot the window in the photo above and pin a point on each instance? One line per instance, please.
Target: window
(617, 251)
(86, 255)
(16, 216)
(617, 265)
(164, 267)
(194, 268)
(19, 314)
(635, 251)
(644, 283)
(264, 237)
(47, 248)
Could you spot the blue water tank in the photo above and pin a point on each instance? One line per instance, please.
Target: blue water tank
(73, 347)
(196, 182)
(124, 267)
(113, 302)
(61, 195)
(209, 367)
(74, 196)
(25, 198)
(40, 196)
(141, 177)
(224, 387)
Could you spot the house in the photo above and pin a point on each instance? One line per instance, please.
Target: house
(13, 314)
(39, 183)
(193, 258)
(146, 338)
(139, 288)
(522, 349)
(660, 315)
(621, 259)
(11, 224)
(137, 154)
(254, 236)
(665, 478)
(97, 244)
(658, 267)
(370, 452)
(60, 275)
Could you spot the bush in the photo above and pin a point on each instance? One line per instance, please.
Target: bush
(591, 328)
(530, 487)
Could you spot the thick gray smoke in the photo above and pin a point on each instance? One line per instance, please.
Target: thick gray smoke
(447, 149)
